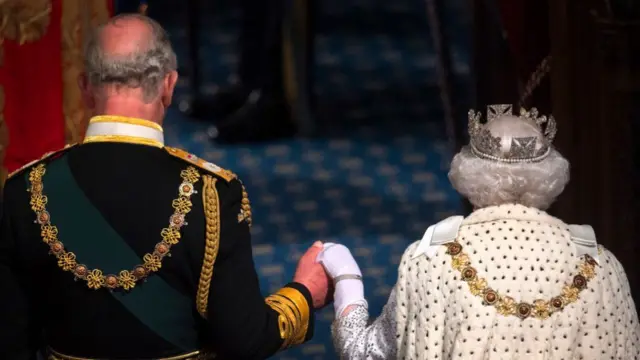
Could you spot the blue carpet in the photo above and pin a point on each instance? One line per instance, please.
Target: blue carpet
(376, 187)
(375, 192)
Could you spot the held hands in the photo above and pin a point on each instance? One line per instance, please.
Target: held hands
(338, 261)
(347, 277)
(324, 266)
(311, 274)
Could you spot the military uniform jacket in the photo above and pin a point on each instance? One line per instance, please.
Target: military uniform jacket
(121, 248)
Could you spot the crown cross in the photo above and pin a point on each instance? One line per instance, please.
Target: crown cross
(496, 111)
(522, 149)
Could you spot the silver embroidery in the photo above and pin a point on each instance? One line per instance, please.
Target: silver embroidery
(354, 339)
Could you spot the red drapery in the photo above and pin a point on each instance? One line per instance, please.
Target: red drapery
(526, 24)
(42, 111)
(32, 79)
(513, 22)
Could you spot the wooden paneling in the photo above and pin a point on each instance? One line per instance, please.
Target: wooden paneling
(592, 85)
(595, 83)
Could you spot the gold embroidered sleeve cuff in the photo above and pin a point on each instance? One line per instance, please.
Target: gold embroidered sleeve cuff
(294, 315)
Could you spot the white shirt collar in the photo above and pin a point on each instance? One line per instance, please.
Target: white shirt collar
(110, 128)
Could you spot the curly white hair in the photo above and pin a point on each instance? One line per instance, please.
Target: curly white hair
(490, 183)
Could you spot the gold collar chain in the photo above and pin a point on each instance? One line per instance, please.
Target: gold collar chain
(506, 305)
(126, 279)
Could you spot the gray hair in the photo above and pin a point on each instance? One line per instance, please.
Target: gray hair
(144, 68)
(490, 183)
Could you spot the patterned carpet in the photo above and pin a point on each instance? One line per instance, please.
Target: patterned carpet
(378, 180)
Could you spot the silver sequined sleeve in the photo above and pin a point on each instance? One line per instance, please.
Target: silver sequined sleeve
(355, 338)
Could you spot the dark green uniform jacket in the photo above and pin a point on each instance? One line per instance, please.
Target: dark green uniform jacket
(121, 248)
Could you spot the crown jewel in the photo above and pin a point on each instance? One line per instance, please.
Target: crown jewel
(522, 149)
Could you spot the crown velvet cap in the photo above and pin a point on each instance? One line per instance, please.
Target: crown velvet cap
(509, 138)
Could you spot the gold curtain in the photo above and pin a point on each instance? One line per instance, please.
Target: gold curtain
(79, 17)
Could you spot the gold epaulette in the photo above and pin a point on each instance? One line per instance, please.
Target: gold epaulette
(245, 213)
(245, 210)
(34, 162)
(201, 163)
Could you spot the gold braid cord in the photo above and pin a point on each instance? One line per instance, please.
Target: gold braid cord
(507, 306)
(245, 208)
(535, 79)
(126, 279)
(211, 204)
(293, 315)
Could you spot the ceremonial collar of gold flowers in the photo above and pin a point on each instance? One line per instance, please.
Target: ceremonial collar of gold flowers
(506, 305)
(126, 279)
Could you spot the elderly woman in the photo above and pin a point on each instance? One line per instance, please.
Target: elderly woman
(509, 281)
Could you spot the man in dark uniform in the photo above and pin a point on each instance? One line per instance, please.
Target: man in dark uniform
(273, 96)
(122, 248)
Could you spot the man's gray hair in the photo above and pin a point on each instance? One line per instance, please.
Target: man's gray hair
(144, 68)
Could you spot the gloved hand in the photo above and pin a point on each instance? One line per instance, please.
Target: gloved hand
(347, 277)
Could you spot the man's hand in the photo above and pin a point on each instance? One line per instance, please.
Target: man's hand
(311, 274)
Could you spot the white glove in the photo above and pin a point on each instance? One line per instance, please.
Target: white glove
(347, 277)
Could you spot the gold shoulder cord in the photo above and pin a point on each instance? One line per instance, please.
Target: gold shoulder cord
(201, 163)
(245, 208)
(507, 306)
(126, 279)
(211, 204)
(293, 315)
